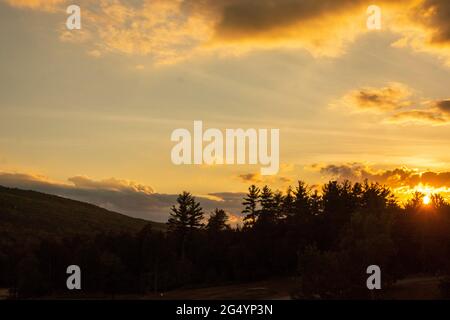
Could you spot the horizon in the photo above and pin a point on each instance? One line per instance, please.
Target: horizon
(232, 203)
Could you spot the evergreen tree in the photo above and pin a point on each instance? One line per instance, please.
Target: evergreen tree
(195, 215)
(187, 216)
(268, 210)
(250, 206)
(316, 203)
(302, 200)
(184, 219)
(218, 221)
(288, 203)
(278, 202)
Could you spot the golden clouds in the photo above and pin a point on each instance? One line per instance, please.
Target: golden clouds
(158, 28)
(44, 5)
(403, 181)
(392, 97)
(257, 178)
(394, 104)
(425, 27)
(433, 113)
(251, 177)
(419, 116)
(435, 15)
(28, 180)
(120, 195)
(323, 28)
(111, 184)
(171, 31)
(360, 172)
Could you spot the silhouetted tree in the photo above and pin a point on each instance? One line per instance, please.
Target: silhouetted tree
(278, 201)
(250, 204)
(288, 203)
(316, 203)
(187, 216)
(302, 200)
(184, 219)
(267, 214)
(218, 221)
(339, 202)
(415, 202)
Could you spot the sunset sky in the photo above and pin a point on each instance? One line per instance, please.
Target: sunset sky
(88, 114)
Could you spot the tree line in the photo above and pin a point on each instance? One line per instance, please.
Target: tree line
(323, 240)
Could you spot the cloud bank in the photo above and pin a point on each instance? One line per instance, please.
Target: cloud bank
(392, 97)
(123, 196)
(398, 177)
(171, 31)
(395, 105)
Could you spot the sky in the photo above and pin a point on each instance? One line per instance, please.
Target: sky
(88, 114)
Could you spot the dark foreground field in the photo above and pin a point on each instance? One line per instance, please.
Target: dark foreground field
(413, 288)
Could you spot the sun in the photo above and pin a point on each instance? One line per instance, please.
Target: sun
(426, 200)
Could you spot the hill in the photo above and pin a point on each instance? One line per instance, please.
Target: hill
(29, 214)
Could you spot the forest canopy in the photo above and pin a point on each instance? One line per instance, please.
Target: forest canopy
(324, 240)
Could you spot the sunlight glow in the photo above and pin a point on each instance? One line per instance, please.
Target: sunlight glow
(406, 192)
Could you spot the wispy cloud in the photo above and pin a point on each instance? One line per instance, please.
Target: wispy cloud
(394, 104)
(251, 177)
(420, 117)
(42, 5)
(109, 184)
(434, 113)
(282, 179)
(392, 97)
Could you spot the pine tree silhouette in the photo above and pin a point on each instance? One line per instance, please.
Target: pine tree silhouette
(250, 204)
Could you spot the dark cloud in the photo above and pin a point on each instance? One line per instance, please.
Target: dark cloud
(253, 17)
(392, 97)
(397, 177)
(421, 116)
(436, 112)
(251, 177)
(308, 22)
(122, 196)
(377, 99)
(169, 30)
(256, 178)
(443, 105)
(394, 102)
(284, 179)
(435, 14)
(354, 171)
